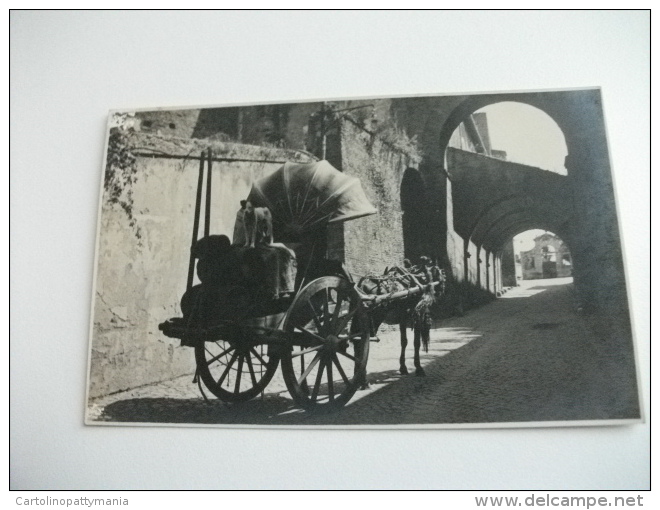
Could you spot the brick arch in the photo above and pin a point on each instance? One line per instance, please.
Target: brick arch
(486, 192)
(514, 228)
(473, 103)
(589, 220)
(526, 198)
(516, 199)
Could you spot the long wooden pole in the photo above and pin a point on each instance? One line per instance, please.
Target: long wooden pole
(207, 216)
(198, 206)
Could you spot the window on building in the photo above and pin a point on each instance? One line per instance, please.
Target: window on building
(549, 253)
(529, 262)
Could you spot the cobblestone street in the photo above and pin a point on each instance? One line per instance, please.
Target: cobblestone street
(526, 357)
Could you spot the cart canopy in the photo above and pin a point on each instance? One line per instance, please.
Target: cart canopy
(304, 197)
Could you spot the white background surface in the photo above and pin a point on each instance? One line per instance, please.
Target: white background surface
(69, 68)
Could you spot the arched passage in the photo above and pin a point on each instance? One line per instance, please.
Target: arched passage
(492, 197)
(585, 210)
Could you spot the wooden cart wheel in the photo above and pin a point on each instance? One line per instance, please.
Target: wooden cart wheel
(330, 337)
(238, 368)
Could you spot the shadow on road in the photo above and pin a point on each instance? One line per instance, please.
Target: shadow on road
(272, 408)
(515, 360)
(174, 410)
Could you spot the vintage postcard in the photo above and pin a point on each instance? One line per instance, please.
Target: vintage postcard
(426, 261)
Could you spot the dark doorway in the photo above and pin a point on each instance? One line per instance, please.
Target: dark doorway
(415, 221)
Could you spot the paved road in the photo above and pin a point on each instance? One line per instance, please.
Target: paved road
(528, 356)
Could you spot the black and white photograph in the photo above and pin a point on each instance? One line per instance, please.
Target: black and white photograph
(403, 262)
(329, 249)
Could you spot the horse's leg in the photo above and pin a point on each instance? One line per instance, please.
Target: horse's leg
(419, 331)
(404, 342)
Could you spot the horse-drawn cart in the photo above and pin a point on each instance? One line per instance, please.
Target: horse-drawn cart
(320, 332)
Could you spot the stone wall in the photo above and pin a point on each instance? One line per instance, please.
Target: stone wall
(275, 125)
(374, 242)
(144, 247)
(179, 123)
(509, 266)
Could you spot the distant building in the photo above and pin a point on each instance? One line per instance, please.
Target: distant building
(550, 258)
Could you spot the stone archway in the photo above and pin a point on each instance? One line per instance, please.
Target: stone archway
(588, 217)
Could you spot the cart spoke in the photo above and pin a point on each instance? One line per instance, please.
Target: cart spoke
(251, 368)
(227, 368)
(344, 320)
(216, 358)
(311, 334)
(347, 355)
(315, 317)
(256, 355)
(239, 372)
(306, 351)
(335, 360)
(331, 388)
(335, 313)
(317, 384)
(310, 367)
(326, 311)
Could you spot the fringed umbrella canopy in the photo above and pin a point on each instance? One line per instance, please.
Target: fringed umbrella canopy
(303, 197)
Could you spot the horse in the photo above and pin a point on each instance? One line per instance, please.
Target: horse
(413, 311)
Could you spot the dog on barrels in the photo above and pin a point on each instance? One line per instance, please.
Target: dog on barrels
(258, 224)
